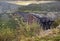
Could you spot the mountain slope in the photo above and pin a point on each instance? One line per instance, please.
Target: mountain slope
(8, 7)
(53, 6)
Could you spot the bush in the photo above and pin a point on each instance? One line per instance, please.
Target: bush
(56, 23)
(7, 34)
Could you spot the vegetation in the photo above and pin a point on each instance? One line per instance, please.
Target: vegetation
(13, 28)
(56, 23)
(39, 7)
(16, 30)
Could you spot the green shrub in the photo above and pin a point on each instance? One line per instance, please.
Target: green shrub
(56, 23)
(7, 34)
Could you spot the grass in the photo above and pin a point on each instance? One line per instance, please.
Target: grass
(25, 32)
(30, 33)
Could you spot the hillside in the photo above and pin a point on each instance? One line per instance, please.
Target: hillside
(50, 7)
(31, 7)
(8, 7)
(32, 22)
